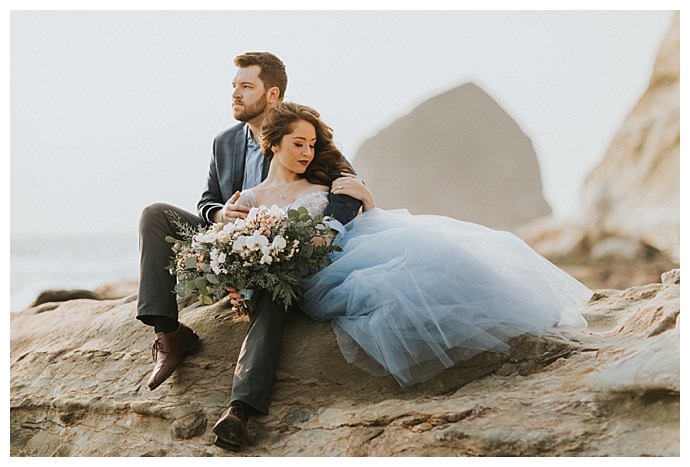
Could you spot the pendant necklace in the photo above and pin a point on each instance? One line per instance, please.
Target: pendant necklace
(284, 195)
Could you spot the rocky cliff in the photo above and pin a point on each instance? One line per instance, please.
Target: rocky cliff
(630, 202)
(635, 189)
(79, 369)
(457, 154)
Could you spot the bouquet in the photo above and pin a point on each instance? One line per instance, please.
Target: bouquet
(270, 249)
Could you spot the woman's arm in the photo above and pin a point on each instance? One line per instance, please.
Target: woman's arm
(352, 186)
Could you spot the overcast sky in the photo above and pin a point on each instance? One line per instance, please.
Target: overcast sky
(113, 110)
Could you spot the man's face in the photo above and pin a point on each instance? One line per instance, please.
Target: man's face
(249, 95)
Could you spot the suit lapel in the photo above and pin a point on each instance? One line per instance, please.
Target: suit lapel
(239, 152)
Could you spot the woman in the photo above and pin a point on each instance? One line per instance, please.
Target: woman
(304, 160)
(411, 295)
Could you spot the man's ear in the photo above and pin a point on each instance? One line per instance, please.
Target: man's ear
(273, 95)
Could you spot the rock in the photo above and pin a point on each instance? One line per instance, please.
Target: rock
(78, 372)
(630, 202)
(117, 290)
(63, 295)
(471, 158)
(104, 292)
(635, 189)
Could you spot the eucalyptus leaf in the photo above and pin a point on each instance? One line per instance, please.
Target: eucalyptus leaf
(206, 300)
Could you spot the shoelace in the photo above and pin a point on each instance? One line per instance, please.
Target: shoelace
(155, 348)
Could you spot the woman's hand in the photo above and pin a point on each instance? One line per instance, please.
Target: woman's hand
(324, 240)
(352, 185)
(235, 298)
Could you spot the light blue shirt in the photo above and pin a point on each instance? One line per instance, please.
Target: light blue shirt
(253, 162)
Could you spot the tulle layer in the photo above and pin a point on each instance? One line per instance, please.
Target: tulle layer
(412, 295)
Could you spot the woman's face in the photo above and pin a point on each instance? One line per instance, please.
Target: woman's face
(296, 149)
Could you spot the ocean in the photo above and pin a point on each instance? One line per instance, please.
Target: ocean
(38, 264)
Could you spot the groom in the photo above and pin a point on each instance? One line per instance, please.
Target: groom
(237, 164)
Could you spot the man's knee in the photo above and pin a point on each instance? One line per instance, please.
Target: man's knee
(156, 217)
(153, 213)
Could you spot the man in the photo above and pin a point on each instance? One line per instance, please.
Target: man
(237, 164)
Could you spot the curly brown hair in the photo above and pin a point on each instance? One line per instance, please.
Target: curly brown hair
(328, 161)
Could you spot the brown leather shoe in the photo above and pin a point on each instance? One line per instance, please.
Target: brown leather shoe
(231, 429)
(168, 351)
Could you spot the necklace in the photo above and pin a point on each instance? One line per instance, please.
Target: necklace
(284, 195)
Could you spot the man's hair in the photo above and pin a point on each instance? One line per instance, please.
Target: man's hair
(272, 72)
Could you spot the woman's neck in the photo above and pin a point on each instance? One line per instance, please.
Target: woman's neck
(278, 175)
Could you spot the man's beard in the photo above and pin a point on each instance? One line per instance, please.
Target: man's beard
(250, 112)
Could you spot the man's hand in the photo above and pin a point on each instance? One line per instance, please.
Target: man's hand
(231, 210)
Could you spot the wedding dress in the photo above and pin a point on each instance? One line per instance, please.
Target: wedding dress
(412, 295)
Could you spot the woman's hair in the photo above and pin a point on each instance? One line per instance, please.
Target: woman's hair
(328, 161)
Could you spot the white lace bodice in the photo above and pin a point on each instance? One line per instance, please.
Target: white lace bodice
(315, 202)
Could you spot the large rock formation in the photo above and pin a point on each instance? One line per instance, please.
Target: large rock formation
(631, 199)
(635, 189)
(79, 368)
(457, 154)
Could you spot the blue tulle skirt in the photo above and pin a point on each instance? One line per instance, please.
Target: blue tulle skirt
(412, 295)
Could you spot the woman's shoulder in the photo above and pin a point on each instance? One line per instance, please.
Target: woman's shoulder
(247, 198)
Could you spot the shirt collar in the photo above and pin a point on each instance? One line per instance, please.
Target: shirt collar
(248, 135)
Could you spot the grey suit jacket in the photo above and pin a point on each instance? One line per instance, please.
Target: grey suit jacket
(226, 173)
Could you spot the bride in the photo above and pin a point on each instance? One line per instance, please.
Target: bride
(410, 295)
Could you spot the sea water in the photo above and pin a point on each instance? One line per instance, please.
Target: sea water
(38, 264)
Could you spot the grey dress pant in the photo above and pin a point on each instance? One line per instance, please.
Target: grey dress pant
(258, 359)
(156, 284)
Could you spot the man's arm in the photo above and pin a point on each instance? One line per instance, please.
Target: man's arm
(211, 200)
(220, 183)
(342, 208)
